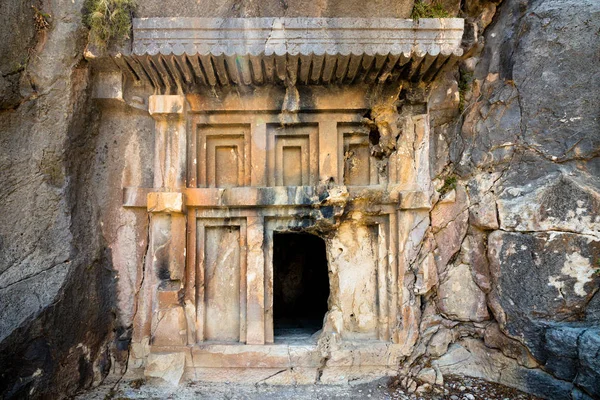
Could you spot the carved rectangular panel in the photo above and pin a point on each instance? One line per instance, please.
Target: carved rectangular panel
(222, 283)
(294, 170)
(216, 278)
(223, 158)
(358, 165)
(293, 156)
(227, 171)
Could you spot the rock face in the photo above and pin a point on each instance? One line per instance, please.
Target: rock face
(56, 284)
(276, 8)
(531, 129)
(497, 269)
(459, 298)
(563, 265)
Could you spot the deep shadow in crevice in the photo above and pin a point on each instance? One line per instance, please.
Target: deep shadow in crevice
(300, 284)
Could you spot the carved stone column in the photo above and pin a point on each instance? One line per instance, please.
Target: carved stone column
(167, 220)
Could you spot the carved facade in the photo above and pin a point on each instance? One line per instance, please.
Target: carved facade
(266, 126)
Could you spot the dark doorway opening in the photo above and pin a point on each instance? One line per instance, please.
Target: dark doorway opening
(300, 284)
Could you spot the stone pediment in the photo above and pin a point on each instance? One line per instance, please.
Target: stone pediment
(176, 52)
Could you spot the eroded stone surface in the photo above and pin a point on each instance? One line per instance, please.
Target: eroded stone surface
(561, 265)
(459, 297)
(167, 367)
(449, 226)
(472, 358)
(554, 203)
(518, 234)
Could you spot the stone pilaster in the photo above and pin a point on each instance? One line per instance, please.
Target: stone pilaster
(167, 220)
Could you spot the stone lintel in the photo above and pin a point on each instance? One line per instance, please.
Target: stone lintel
(270, 98)
(165, 202)
(166, 104)
(174, 202)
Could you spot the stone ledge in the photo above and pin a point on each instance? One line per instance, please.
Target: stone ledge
(282, 355)
(414, 200)
(270, 196)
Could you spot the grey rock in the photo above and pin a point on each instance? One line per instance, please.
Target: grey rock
(500, 114)
(495, 339)
(589, 357)
(460, 298)
(275, 8)
(55, 281)
(438, 344)
(551, 201)
(553, 42)
(577, 394)
(483, 210)
(470, 357)
(19, 38)
(474, 253)
(548, 276)
(561, 351)
(557, 202)
(427, 375)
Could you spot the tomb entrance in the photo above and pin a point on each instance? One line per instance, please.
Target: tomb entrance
(291, 188)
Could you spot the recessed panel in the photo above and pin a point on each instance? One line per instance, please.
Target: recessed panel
(292, 166)
(227, 167)
(358, 166)
(222, 283)
(293, 156)
(357, 279)
(222, 155)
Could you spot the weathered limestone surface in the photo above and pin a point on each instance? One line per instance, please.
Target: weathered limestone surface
(527, 150)
(472, 358)
(19, 35)
(459, 298)
(56, 284)
(357, 289)
(556, 202)
(562, 264)
(276, 8)
(499, 279)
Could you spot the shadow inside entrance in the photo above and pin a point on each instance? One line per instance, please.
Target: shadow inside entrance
(300, 285)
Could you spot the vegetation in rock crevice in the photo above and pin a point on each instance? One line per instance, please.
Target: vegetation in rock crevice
(41, 19)
(109, 21)
(464, 85)
(449, 185)
(425, 10)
